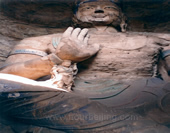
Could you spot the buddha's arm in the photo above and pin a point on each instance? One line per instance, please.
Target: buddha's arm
(33, 68)
(73, 46)
(31, 58)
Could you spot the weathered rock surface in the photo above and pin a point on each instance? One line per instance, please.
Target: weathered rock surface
(148, 15)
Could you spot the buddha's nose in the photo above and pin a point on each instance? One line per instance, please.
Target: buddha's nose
(98, 10)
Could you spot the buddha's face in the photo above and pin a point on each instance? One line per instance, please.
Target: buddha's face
(98, 12)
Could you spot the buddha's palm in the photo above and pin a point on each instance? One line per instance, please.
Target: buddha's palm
(74, 45)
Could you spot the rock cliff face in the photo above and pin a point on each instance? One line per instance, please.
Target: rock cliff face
(26, 18)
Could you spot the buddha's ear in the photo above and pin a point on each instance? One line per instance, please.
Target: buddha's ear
(123, 24)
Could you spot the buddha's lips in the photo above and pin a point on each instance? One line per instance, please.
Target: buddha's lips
(104, 18)
(99, 15)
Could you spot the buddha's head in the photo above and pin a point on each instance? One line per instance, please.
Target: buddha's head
(89, 13)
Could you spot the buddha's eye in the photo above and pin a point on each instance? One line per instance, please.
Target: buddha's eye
(109, 8)
(89, 8)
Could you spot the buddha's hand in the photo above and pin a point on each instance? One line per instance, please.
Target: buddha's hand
(74, 45)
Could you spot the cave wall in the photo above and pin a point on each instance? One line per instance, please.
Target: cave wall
(148, 15)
